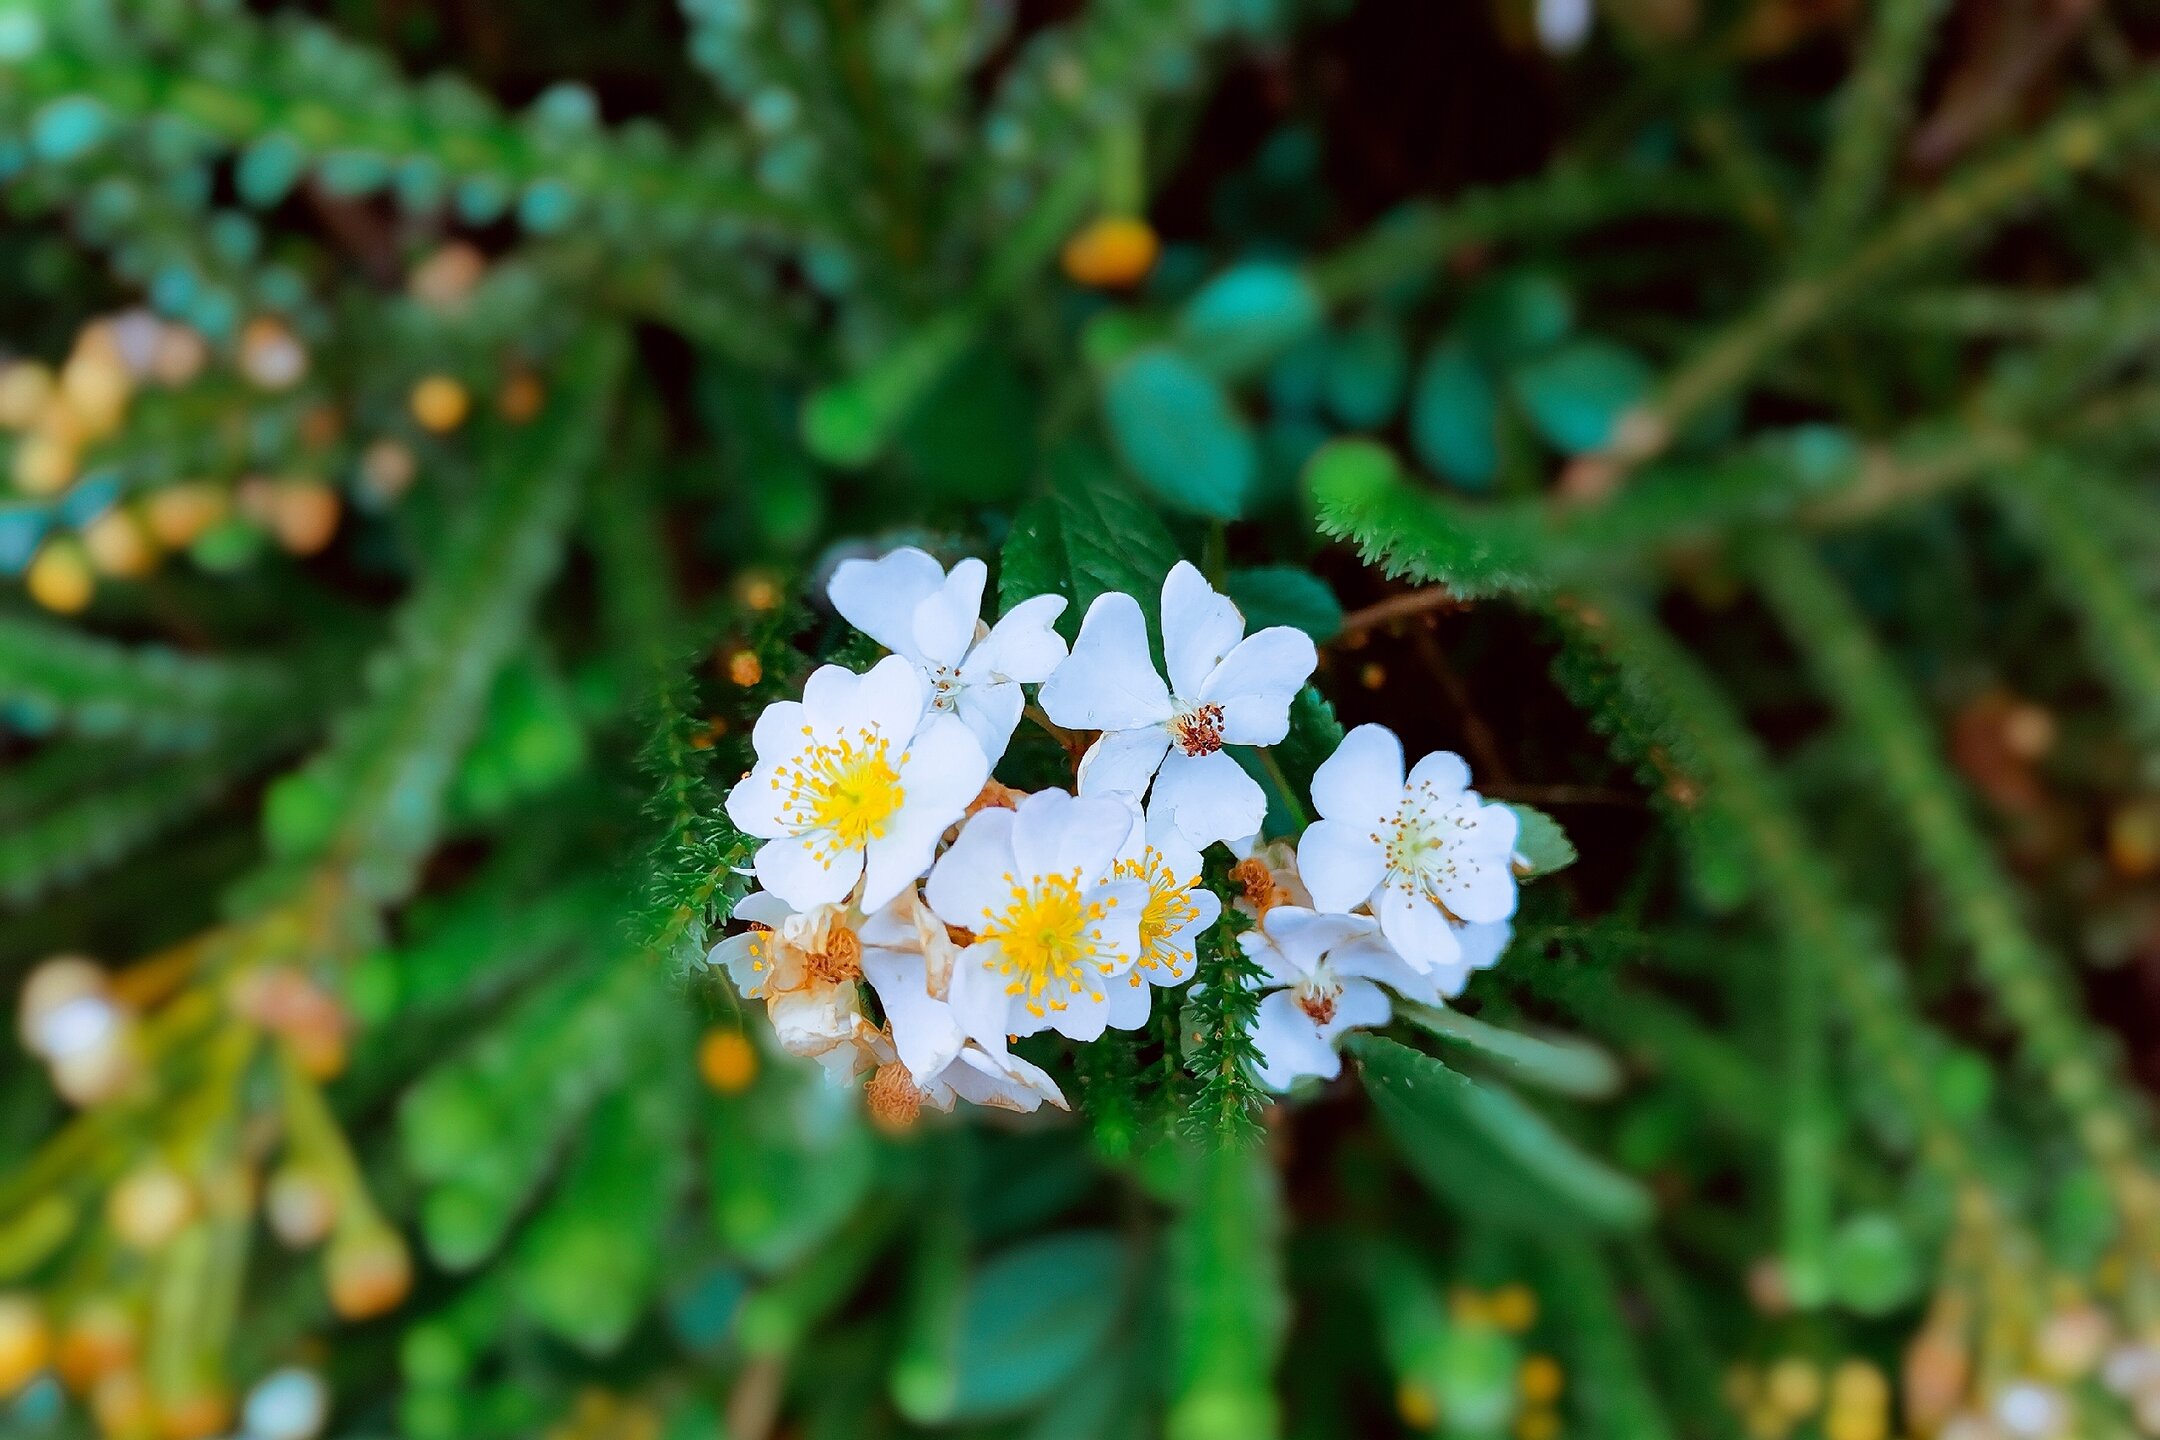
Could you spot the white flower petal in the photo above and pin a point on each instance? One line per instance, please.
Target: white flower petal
(924, 1032)
(1122, 762)
(829, 698)
(1002, 1082)
(1199, 627)
(1306, 935)
(1256, 683)
(1021, 646)
(968, 882)
(1362, 782)
(940, 772)
(1108, 682)
(798, 870)
(980, 1005)
(1440, 777)
(1477, 882)
(890, 698)
(991, 713)
(1290, 1045)
(756, 801)
(1416, 928)
(1340, 862)
(1370, 957)
(762, 907)
(1085, 1016)
(779, 729)
(1131, 997)
(879, 597)
(945, 621)
(1208, 797)
(742, 956)
(1055, 833)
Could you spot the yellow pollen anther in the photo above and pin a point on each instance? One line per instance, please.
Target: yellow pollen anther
(845, 791)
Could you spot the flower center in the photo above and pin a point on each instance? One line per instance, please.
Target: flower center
(847, 789)
(1044, 935)
(1198, 731)
(944, 686)
(1169, 907)
(1317, 999)
(841, 959)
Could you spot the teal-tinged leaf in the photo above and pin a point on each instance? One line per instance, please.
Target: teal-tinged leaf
(1455, 416)
(1246, 316)
(1279, 595)
(1112, 540)
(1577, 394)
(1514, 316)
(1540, 843)
(1314, 734)
(1482, 1148)
(1031, 1316)
(1367, 366)
(1176, 429)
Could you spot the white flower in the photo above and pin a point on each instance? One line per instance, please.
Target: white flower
(1178, 911)
(805, 966)
(909, 960)
(1052, 928)
(856, 781)
(1426, 853)
(1267, 875)
(1320, 974)
(908, 603)
(1225, 689)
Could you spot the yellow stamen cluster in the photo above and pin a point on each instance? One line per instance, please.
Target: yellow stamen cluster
(1045, 936)
(845, 791)
(1169, 908)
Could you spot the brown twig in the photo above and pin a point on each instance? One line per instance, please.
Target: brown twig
(1398, 607)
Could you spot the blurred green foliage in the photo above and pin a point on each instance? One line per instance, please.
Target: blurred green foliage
(427, 432)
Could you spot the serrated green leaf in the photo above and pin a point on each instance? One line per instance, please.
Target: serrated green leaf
(1540, 843)
(1482, 1148)
(1033, 560)
(1112, 540)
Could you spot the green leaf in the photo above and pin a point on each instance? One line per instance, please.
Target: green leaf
(1577, 394)
(1033, 560)
(1175, 427)
(1540, 842)
(1873, 1266)
(1031, 1316)
(1566, 1065)
(1515, 316)
(1482, 1148)
(1228, 1309)
(1246, 316)
(1367, 366)
(1111, 539)
(1455, 416)
(1280, 595)
(973, 437)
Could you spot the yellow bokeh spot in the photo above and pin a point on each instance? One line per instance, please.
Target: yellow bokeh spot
(1540, 1379)
(178, 514)
(1116, 250)
(744, 669)
(24, 1341)
(440, 404)
(727, 1060)
(1514, 1308)
(60, 578)
(44, 462)
(1537, 1425)
(119, 545)
(1416, 1405)
(1794, 1386)
(26, 388)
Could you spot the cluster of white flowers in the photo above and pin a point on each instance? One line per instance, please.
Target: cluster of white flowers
(978, 915)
